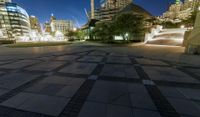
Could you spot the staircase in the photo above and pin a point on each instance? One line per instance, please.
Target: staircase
(173, 37)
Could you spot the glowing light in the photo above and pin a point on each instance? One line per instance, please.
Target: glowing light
(74, 29)
(182, 26)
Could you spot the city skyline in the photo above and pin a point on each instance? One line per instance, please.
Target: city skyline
(74, 9)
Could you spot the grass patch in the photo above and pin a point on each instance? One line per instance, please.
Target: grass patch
(36, 44)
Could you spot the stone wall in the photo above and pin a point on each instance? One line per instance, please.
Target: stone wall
(193, 40)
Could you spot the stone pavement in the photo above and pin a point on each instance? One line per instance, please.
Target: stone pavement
(96, 83)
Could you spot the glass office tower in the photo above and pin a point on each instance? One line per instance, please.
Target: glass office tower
(14, 20)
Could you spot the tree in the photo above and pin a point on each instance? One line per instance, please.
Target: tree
(129, 25)
(104, 31)
(190, 21)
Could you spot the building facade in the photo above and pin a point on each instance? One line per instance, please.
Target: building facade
(14, 20)
(35, 25)
(109, 8)
(181, 11)
(63, 26)
(5, 1)
(115, 4)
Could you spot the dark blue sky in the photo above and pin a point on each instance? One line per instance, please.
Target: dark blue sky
(74, 9)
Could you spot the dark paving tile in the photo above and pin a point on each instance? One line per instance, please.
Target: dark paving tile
(185, 107)
(1, 72)
(109, 92)
(61, 80)
(194, 71)
(137, 88)
(91, 59)
(14, 80)
(79, 68)
(91, 109)
(3, 91)
(119, 54)
(145, 113)
(19, 64)
(67, 58)
(171, 92)
(46, 66)
(4, 62)
(97, 53)
(144, 101)
(37, 103)
(150, 62)
(193, 94)
(57, 86)
(124, 71)
(119, 60)
(47, 58)
(119, 111)
(169, 74)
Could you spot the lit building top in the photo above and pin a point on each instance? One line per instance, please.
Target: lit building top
(5, 1)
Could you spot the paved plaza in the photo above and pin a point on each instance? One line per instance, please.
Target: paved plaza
(94, 82)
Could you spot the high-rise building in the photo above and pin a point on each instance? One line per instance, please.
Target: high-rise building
(181, 11)
(35, 25)
(47, 28)
(110, 8)
(115, 4)
(14, 20)
(5, 1)
(61, 25)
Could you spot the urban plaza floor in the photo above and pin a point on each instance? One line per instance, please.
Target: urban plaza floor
(96, 81)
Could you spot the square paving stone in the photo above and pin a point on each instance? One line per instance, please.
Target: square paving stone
(3, 91)
(46, 58)
(62, 80)
(45, 89)
(123, 71)
(91, 109)
(98, 53)
(118, 54)
(119, 60)
(65, 87)
(67, 58)
(185, 107)
(137, 88)
(193, 94)
(4, 62)
(110, 92)
(169, 74)
(37, 103)
(1, 72)
(195, 71)
(119, 111)
(144, 101)
(79, 68)
(171, 92)
(145, 113)
(14, 80)
(91, 59)
(19, 64)
(46, 66)
(150, 62)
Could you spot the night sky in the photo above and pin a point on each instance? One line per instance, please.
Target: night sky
(74, 9)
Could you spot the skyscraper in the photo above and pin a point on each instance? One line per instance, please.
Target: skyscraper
(4, 1)
(181, 11)
(111, 4)
(35, 25)
(14, 20)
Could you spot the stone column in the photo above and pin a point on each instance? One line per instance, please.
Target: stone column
(193, 42)
(92, 9)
